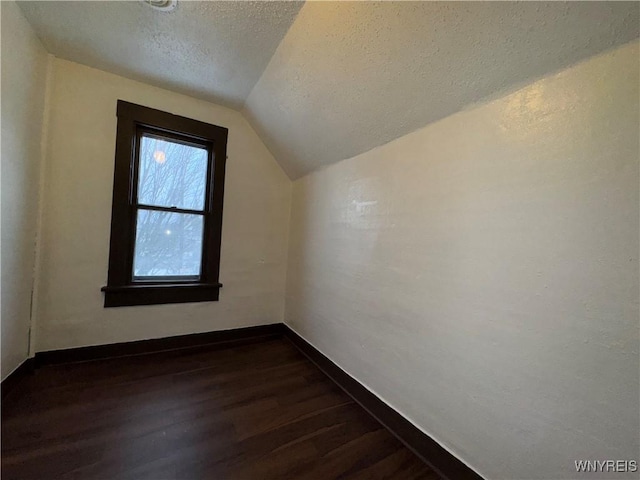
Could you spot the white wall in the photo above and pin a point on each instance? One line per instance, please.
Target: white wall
(77, 215)
(481, 274)
(24, 65)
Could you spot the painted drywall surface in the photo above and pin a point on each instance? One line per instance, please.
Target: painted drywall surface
(481, 274)
(77, 216)
(24, 63)
(349, 76)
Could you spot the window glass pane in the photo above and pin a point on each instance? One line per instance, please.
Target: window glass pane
(171, 174)
(167, 244)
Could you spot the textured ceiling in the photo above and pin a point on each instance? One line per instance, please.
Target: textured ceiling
(345, 76)
(348, 77)
(211, 50)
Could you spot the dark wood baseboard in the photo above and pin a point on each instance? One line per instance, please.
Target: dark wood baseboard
(15, 377)
(419, 442)
(155, 345)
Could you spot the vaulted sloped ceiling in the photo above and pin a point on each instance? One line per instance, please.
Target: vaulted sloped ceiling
(210, 50)
(329, 80)
(350, 76)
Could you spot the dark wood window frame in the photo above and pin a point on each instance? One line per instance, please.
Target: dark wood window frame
(122, 289)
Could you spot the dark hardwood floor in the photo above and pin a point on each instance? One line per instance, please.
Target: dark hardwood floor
(255, 410)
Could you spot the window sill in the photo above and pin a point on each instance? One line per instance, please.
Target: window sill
(154, 294)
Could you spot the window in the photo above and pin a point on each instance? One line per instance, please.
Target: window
(166, 219)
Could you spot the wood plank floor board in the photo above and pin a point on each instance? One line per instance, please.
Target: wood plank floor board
(399, 464)
(256, 410)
